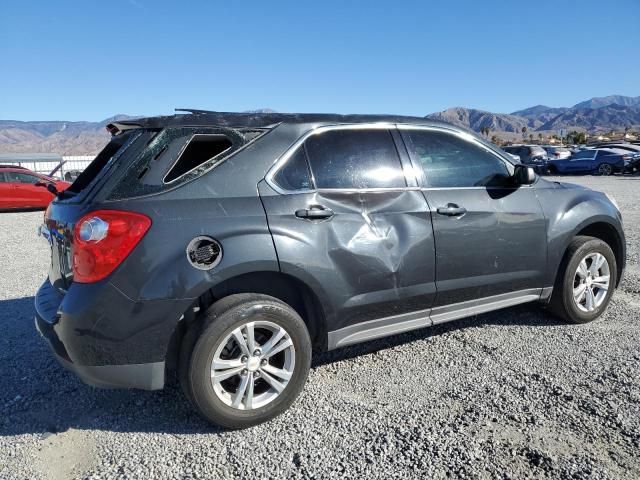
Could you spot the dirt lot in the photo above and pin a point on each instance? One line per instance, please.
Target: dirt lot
(510, 394)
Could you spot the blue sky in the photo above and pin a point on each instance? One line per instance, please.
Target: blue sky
(87, 60)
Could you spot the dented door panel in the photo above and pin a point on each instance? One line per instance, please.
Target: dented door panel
(375, 250)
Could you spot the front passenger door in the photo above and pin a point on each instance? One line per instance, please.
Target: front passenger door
(490, 234)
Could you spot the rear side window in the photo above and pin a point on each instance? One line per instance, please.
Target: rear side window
(295, 174)
(200, 149)
(173, 156)
(449, 161)
(349, 159)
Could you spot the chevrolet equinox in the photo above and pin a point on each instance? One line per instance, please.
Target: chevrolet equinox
(227, 247)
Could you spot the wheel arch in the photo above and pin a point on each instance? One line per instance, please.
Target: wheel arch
(606, 232)
(287, 288)
(597, 227)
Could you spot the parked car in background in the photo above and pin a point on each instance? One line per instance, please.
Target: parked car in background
(513, 156)
(531, 155)
(229, 253)
(629, 147)
(557, 153)
(603, 161)
(22, 189)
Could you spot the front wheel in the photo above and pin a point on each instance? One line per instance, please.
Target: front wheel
(250, 361)
(583, 289)
(605, 169)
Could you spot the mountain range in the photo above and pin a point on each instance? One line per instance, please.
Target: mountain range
(598, 114)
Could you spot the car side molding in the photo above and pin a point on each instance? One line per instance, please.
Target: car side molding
(386, 326)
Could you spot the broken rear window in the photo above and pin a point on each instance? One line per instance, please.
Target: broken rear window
(177, 155)
(200, 149)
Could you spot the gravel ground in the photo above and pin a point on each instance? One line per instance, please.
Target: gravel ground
(510, 394)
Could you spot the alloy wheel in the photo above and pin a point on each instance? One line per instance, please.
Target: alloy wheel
(604, 169)
(253, 365)
(591, 282)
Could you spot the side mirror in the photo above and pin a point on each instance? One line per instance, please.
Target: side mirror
(524, 175)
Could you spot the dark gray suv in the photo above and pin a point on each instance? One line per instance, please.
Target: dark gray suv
(227, 247)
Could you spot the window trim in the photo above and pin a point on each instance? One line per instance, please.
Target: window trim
(464, 136)
(184, 148)
(284, 158)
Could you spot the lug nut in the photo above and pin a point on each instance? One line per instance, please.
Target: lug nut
(244, 371)
(244, 358)
(256, 352)
(263, 362)
(256, 374)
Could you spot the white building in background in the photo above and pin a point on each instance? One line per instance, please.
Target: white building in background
(46, 162)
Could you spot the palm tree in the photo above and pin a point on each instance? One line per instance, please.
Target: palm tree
(524, 132)
(540, 137)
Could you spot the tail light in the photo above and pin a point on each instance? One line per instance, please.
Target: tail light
(102, 240)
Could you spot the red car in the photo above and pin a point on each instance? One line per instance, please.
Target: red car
(18, 189)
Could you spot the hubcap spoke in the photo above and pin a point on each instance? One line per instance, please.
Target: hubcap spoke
(590, 303)
(240, 340)
(248, 403)
(220, 376)
(596, 263)
(277, 386)
(279, 347)
(237, 399)
(278, 372)
(219, 364)
(251, 340)
(601, 285)
(266, 348)
(582, 269)
(578, 292)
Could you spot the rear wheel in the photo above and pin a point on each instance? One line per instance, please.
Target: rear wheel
(250, 361)
(605, 169)
(584, 288)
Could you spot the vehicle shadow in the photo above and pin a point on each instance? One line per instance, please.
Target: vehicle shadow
(38, 396)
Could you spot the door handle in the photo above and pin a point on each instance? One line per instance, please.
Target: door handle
(451, 210)
(315, 212)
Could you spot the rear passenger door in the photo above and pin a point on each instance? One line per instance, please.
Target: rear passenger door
(345, 220)
(490, 235)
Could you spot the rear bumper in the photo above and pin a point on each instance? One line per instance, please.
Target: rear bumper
(104, 337)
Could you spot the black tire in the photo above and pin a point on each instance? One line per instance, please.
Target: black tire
(216, 324)
(605, 169)
(562, 303)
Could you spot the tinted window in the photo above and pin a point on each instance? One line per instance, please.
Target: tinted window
(449, 161)
(295, 173)
(584, 154)
(354, 159)
(2, 179)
